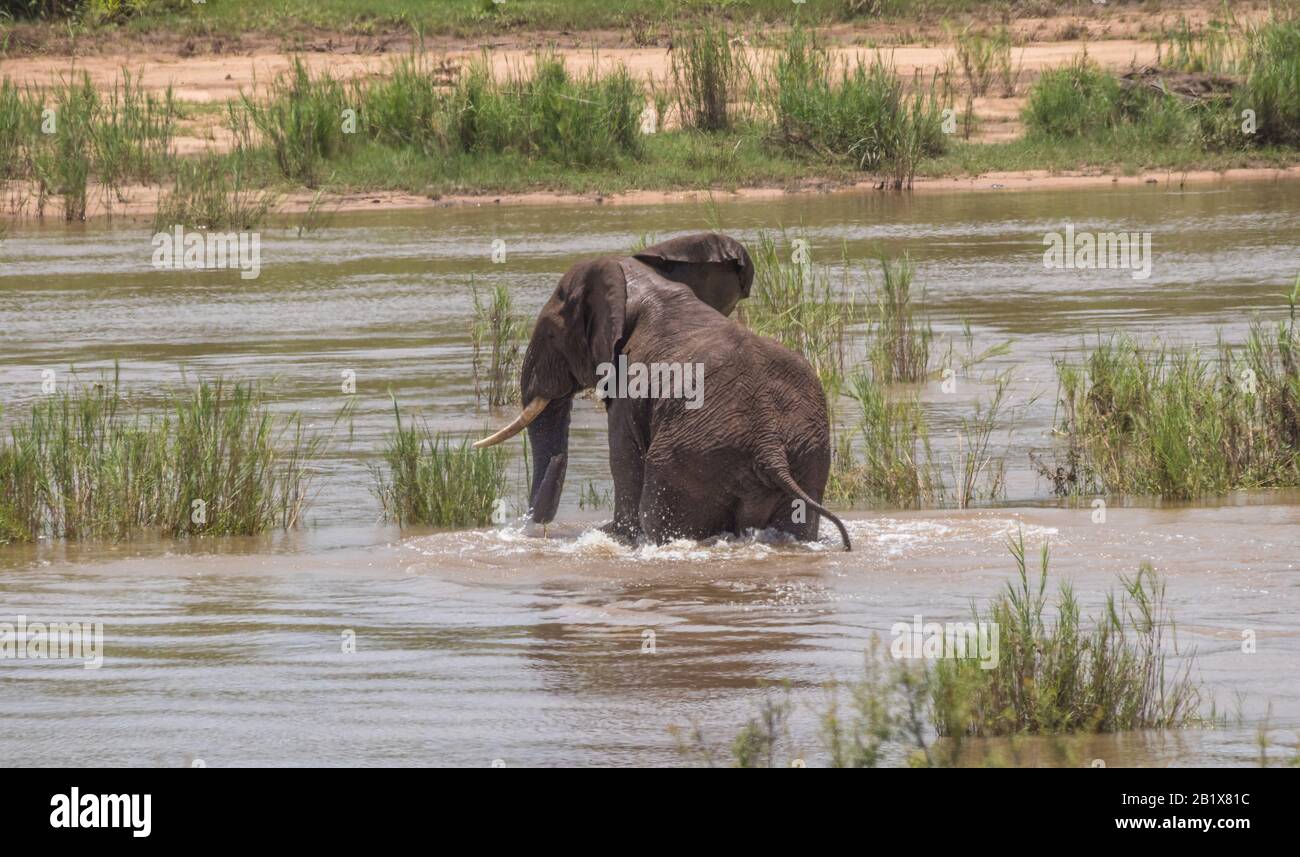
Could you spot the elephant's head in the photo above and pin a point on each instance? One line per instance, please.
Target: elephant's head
(583, 325)
(716, 267)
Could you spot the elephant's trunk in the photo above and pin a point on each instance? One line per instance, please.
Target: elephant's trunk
(548, 439)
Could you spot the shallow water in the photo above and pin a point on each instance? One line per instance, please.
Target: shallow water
(511, 645)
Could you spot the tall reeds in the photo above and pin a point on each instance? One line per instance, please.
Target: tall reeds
(428, 479)
(498, 336)
(89, 463)
(900, 342)
(1107, 674)
(861, 113)
(1181, 424)
(710, 74)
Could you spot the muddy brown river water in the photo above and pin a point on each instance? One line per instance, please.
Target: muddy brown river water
(502, 644)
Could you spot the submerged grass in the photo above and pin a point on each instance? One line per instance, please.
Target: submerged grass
(89, 463)
(427, 479)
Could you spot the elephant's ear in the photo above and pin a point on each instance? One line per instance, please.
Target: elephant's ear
(594, 299)
(716, 267)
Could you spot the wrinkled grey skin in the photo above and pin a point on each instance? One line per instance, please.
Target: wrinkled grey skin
(759, 443)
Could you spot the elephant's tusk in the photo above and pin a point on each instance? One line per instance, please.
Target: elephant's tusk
(535, 407)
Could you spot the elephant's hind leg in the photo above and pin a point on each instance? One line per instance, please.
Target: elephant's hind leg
(757, 512)
(680, 505)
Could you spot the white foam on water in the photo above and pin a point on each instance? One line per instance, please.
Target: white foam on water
(578, 543)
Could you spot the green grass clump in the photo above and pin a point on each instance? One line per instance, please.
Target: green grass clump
(213, 192)
(799, 304)
(1064, 678)
(62, 137)
(88, 463)
(1180, 424)
(1082, 101)
(61, 161)
(1072, 101)
(133, 134)
(863, 114)
(20, 118)
(303, 121)
(1272, 86)
(1109, 674)
(499, 335)
(426, 479)
(408, 108)
(549, 113)
(709, 73)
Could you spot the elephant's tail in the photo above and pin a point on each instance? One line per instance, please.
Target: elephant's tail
(786, 479)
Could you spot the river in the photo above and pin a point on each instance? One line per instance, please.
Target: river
(509, 646)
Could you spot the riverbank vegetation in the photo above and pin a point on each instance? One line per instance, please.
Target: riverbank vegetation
(91, 462)
(1058, 676)
(737, 109)
(640, 18)
(59, 138)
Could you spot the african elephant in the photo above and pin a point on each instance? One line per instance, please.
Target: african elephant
(736, 451)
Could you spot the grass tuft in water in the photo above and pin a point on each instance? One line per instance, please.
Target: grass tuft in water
(1063, 677)
(900, 349)
(427, 479)
(499, 335)
(798, 303)
(1180, 424)
(887, 460)
(1109, 674)
(89, 463)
